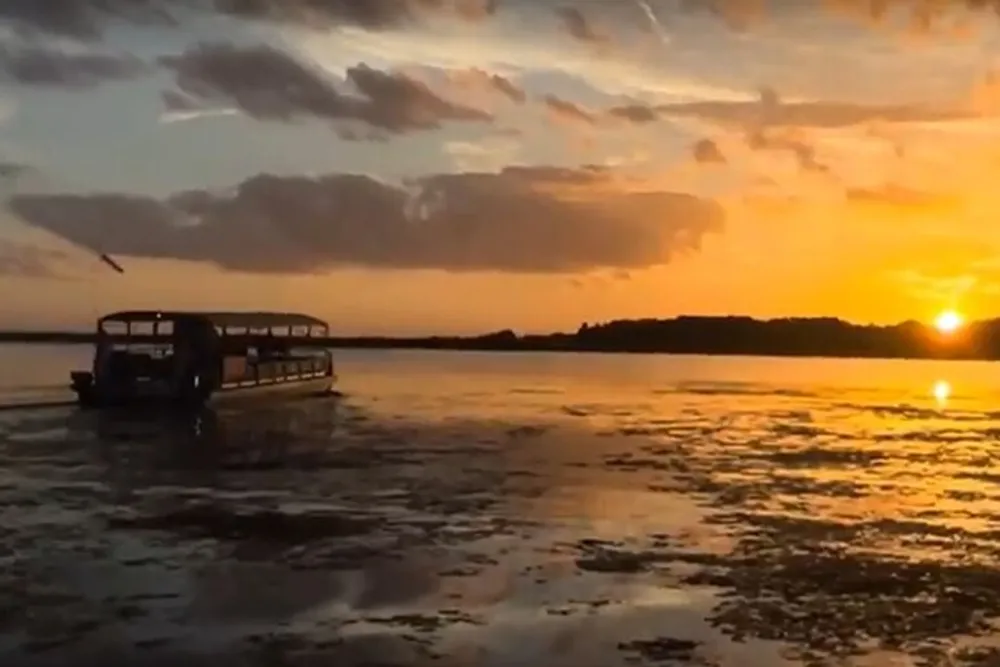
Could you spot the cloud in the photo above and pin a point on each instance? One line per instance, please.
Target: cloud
(370, 14)
(29, 261)
(74, 18)
(48, 66)
(805, 154)
(768, 111)
(10, 171)
(171, 117)
(579, 26)
(522, 219)
(635, 113)
(478, 78)
(85, 19)
(707, 151)
(561, 109)
(817, 114)
(179, 108)
(269, 84)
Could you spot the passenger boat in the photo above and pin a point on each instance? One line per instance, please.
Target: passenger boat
(191, 359)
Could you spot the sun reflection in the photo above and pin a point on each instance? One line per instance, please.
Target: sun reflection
(941, 391)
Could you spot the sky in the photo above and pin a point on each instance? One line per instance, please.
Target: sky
(462, 166)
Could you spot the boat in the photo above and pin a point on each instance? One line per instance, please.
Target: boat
(192, 359)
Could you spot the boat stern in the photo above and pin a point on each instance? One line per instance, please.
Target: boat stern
(82, 384)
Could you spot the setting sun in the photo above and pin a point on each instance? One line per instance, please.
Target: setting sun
(948, 321)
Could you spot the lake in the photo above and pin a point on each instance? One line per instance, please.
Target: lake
(512, 509)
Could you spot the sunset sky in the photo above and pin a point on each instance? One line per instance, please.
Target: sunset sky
(421, 166)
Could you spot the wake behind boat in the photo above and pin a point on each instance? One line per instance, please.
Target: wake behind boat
(190, 359)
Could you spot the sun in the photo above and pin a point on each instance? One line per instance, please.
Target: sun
(949, 321)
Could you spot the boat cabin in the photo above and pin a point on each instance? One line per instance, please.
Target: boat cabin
(189, 356)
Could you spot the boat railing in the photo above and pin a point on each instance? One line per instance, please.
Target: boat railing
(277, 370)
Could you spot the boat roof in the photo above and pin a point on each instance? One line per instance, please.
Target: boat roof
(221, 318)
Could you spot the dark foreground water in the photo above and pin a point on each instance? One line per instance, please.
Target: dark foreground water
(474, 509)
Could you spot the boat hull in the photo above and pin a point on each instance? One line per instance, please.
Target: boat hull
(273, 391)
(90, 397)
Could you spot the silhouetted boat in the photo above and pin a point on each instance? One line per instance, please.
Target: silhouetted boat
(189, 359)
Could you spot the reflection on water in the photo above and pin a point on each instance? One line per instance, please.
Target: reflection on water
(518, 510)
(941, 392)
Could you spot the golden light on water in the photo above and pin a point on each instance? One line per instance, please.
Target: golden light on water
(941, 391)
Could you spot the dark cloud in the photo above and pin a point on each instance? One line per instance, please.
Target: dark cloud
(707, 151)
(370, 14)
(45, 66)
(29, 261)
(77, 18)
(635, 113)
(804, 153)
(579, 26)
(86, 19)
(10, 171)
(565, 110)
(923, 15)
(522, 219)
(82, 19)
(770, 111)
(269, 84)
(739, 15)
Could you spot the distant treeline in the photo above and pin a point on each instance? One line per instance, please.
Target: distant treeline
(826, 337)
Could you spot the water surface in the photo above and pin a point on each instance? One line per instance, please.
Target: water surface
(512, 509)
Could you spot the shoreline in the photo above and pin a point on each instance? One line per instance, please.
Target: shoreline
(814, 337)
(469, 346)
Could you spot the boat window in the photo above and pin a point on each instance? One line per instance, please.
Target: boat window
(114, 327)
(143, 328)
(165, 328)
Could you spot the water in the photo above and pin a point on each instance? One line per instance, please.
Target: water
(516, 509)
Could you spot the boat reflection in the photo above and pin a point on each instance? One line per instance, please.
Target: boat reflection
(142, 449)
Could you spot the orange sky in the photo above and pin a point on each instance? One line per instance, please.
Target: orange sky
(532, 168)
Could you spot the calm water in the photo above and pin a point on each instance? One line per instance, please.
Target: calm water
(478, 509)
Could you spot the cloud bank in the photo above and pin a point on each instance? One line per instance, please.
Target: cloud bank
(86, 19)
(269, 84)
(522, 219)
(47, 66)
